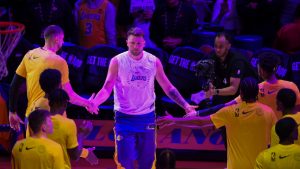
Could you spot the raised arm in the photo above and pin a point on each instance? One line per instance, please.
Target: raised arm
(170, 90)
(109, 83)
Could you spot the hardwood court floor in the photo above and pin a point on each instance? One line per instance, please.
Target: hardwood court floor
(109, 164)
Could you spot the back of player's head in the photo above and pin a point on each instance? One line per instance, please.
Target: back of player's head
(285, 128)
(50, 79)
(37, 118)
(52, 31)
(58, 99)
(249, 89)
(225, 35)
(268, 61)
(287, 97)
(166, 160)
(135, 31)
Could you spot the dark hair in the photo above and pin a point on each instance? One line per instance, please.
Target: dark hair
(249, 89)
(166, 160)
(135, 31)
(225, 35)
(287, 97)
(37, 118)
(50, 79)
(52, 30)
(58, 98)
(285, 127)
(268, 61)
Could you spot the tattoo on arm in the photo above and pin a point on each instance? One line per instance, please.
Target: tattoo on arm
(175, 95)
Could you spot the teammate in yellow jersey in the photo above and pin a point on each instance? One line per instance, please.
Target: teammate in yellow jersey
(37, 151)
(33, 63)
(286, 99)
(65, 132)
(286, 154)
(248, 126)
(268, 89)
(50, 79)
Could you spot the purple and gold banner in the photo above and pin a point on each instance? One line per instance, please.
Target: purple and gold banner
(175, 137)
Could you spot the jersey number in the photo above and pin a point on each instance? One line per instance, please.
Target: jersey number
(88, 28)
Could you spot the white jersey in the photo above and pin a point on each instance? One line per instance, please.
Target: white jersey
(134, 87)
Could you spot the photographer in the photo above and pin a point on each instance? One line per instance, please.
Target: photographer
(230, 67)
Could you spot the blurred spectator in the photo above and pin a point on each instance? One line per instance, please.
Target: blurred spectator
(96, 22)
(259, 17)
(36, 15)
(225, 15)
(166, 160)
(288, 37)
(136, 13)
(172, 25)
(4, 10)
(288, 11)
(202, 9)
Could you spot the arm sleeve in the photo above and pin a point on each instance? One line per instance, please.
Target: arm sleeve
(14, 90)
(110, 24)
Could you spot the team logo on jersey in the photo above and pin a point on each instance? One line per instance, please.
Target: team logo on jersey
(41, 149)
(119, 138)
(29, 148)
(21, 147)
(139, 77)
(282, 157)
(262, 92)
(236, 112)
(273, 156)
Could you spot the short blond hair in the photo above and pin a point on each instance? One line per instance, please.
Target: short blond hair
(52, 31)
(135, 31)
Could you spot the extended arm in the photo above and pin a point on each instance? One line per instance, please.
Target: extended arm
(109, 83)
(170, 90)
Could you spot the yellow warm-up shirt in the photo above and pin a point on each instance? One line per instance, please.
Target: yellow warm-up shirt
(248, 127)
(32, 65)
(37, 153)
(41, 103)
(268, 92)
(279, 157)
(64, 133)
(274, 136)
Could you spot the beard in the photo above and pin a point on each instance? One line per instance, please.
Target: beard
(135, 52)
